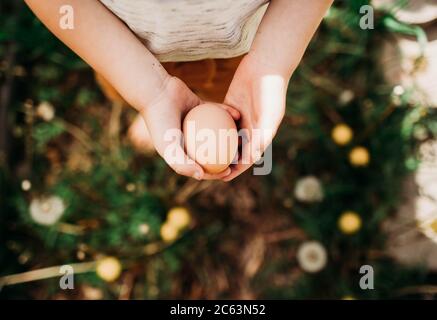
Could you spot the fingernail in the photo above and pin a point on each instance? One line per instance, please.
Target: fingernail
(197, 175)
(256, 155)
(226, 179)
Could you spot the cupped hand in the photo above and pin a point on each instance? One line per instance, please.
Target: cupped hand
(258, 92)
(163, 117)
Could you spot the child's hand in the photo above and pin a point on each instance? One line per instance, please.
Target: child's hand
(259, 94)
(165, 114)
(259, 86)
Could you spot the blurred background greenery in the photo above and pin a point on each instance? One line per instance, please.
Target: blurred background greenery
(75, 192)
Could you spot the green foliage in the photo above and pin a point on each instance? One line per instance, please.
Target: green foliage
(44, 132)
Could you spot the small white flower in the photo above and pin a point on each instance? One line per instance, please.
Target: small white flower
(398, 90)
(26, 185)
(47, 211)
(80, 255)
(308, 189)
(144, 228)
(396, 95)
(45, 111)
(131, 187)
(345, 97)
(312, 256)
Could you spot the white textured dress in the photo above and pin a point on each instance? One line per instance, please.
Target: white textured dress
(188, 30)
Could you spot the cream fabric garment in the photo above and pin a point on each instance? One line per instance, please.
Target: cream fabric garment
(187, 30)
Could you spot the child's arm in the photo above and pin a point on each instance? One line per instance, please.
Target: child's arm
(258, 89)
(285, 32)
(109, 47)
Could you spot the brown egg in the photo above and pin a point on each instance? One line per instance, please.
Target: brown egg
(211, 137)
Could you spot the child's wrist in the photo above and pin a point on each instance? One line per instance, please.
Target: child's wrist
(155, 94)
(263, 64)
(269, 65)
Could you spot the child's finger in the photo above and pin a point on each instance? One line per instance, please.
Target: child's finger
(217, 176)
(184, 165)
(235, 114)
(240, 167)
(165, 130)
(250, 153)
(174, 155)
